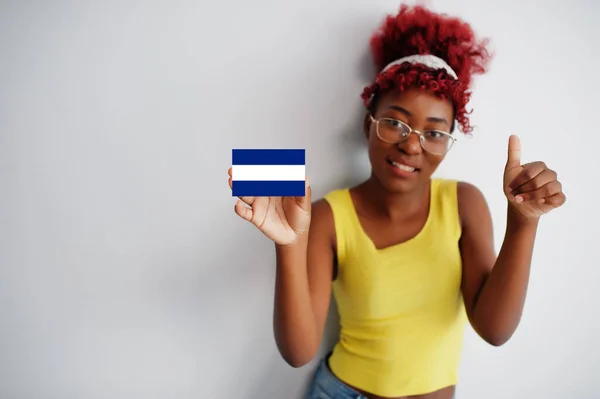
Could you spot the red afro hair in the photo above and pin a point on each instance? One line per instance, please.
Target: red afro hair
(416, 30)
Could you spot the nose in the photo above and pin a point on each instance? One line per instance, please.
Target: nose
(412, 145)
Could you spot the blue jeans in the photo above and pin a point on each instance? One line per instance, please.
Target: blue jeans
(325, 385)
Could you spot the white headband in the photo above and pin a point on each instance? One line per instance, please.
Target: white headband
(428, 60)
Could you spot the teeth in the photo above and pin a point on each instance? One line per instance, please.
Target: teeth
(403, 167)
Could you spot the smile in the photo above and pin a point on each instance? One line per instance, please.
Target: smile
(403, 167)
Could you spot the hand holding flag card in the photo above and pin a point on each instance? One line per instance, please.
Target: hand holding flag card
(268, 172)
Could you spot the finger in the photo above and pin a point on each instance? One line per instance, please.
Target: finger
(229, 172)
(530, 171)
(243, 211)
(543, 178)
(304, 201)
(248, 200)
(555, 200)
(514, 152)
(545, 191)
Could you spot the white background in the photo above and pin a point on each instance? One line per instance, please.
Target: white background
(124, 272)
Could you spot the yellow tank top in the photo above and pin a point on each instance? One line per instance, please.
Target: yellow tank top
(401, 310)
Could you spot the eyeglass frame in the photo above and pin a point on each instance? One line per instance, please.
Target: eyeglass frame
(411, 130)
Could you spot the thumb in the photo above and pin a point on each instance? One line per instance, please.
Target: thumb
(514, 152)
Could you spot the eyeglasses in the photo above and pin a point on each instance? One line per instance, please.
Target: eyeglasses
(393, 131)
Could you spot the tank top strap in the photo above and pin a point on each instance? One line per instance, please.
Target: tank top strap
(347, 225)
(444, 210)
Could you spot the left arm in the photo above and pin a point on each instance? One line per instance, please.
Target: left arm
(494, 288)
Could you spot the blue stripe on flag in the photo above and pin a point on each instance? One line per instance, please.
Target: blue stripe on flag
(268, 157)
(268, 188)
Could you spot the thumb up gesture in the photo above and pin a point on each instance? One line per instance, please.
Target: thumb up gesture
(532, 189)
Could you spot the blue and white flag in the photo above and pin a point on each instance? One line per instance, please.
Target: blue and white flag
(268, 172)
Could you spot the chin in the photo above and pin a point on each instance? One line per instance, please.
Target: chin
(399, 182)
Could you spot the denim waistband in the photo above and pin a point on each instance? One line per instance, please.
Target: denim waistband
(325, 385)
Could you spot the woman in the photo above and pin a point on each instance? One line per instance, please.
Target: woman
(410, 258)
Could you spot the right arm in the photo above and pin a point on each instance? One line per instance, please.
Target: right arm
(304, 237)
(304, 274)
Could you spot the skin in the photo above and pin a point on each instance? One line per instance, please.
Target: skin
(393, 210)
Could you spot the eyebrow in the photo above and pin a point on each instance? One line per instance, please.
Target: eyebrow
(407, 113)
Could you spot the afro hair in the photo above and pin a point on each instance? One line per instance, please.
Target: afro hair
(417, 30)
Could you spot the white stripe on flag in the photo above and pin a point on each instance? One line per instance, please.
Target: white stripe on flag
(268, 172)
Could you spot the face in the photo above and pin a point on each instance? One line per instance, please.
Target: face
(405, 166)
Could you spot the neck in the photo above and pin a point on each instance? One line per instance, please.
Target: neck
(393, 205)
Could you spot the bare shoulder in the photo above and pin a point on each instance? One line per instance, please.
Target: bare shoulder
(468, 192)
(322, 224)
(472, 204)
(322, 208)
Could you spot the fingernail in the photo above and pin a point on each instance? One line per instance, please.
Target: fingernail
(519, 199)
(542, 200)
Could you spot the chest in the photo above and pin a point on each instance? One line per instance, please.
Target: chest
(385, 234)
(401, 279)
